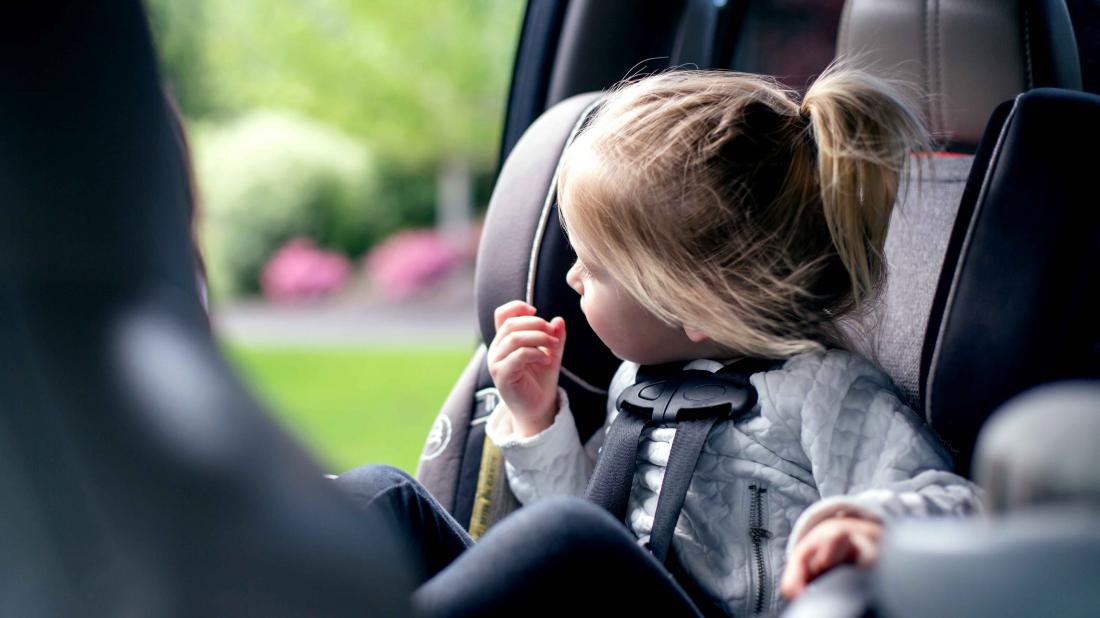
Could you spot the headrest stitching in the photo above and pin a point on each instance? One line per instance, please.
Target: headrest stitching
(1027, 47)
(940, 95)
(581, 382)
(551, 199)
(928, 62)
(544, 218)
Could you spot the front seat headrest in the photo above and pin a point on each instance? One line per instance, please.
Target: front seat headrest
(1019, 308)
(964, 56)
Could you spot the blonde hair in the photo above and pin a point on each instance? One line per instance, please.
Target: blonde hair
(720, 202)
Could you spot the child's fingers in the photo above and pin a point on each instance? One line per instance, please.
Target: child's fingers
(557, 328)
(510, 309)
(866, 551)
(522, 323)
(833, 550)
(521, 339)
(796, 575)
(511, 366)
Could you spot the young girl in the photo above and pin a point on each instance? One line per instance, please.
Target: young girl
(716, 218)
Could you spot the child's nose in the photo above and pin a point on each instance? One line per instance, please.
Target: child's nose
(573, 278)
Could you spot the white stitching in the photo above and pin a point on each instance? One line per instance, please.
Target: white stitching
(941, 95)
(548, 203)
(540, 233)
(1027, 48)
(581, 383)
(929, 91)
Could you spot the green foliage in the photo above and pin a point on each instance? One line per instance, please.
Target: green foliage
(413, 82)
(421, 80)
(407, 191)
(355, 407)
(271, 176)
(179, 30)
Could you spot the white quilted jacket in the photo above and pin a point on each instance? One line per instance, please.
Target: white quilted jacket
(827, 435)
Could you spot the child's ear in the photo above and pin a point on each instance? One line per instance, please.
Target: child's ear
(696, 336)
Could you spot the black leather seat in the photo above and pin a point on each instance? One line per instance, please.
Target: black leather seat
(137, 477)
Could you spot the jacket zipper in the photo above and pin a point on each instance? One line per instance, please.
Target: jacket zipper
(759, 536)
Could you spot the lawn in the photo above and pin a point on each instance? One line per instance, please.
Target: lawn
(353, 406)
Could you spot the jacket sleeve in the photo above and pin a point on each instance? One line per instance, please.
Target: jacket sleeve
(870, 455)
(550, 463)
(553, 462)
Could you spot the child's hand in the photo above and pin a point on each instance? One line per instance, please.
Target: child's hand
(832, 542)
(524, 360)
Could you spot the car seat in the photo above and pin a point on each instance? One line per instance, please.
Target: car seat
(1018, 310)
(137, 477)
(525, 255)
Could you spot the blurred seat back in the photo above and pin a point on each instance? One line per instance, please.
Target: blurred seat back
(137, 477)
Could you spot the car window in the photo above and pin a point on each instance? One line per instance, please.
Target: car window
(765, 41)
(343, 154)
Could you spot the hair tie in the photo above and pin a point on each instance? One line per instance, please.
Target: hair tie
(804, 115)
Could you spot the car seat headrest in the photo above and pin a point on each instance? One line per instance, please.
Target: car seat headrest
(524, 254)
(964, 56)
(1019, 307)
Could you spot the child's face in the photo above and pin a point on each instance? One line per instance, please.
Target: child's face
(626, 327)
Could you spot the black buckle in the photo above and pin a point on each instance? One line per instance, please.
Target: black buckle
(691, 394)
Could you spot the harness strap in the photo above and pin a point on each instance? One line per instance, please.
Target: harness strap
(684, 454)
(695, 401)
(614, 473)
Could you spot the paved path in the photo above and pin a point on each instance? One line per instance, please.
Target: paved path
(356, 319)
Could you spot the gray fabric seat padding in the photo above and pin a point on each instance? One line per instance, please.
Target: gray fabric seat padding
(892, 331)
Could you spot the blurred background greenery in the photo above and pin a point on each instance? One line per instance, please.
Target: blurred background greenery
(342, 122)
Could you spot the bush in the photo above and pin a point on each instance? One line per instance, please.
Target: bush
(300, 272)
(269, 177)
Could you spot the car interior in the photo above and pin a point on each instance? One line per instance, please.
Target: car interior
(139, 477)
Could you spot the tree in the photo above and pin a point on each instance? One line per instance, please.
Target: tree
(423, 81)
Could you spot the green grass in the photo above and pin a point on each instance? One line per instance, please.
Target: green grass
(354, 406)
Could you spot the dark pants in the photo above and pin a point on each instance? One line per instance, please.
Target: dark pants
(557, 555)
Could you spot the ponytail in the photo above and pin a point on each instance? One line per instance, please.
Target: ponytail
(863, 132)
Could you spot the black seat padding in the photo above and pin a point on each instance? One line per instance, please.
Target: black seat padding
(1020, 307)
(137, 477)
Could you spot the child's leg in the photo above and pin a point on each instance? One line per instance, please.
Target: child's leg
(552, 557)
(433, 537)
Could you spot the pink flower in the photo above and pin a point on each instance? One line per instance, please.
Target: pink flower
(301, 271)
(411, 261)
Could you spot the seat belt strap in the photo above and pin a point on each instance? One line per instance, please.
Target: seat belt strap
(614, 472)
(687, 445)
